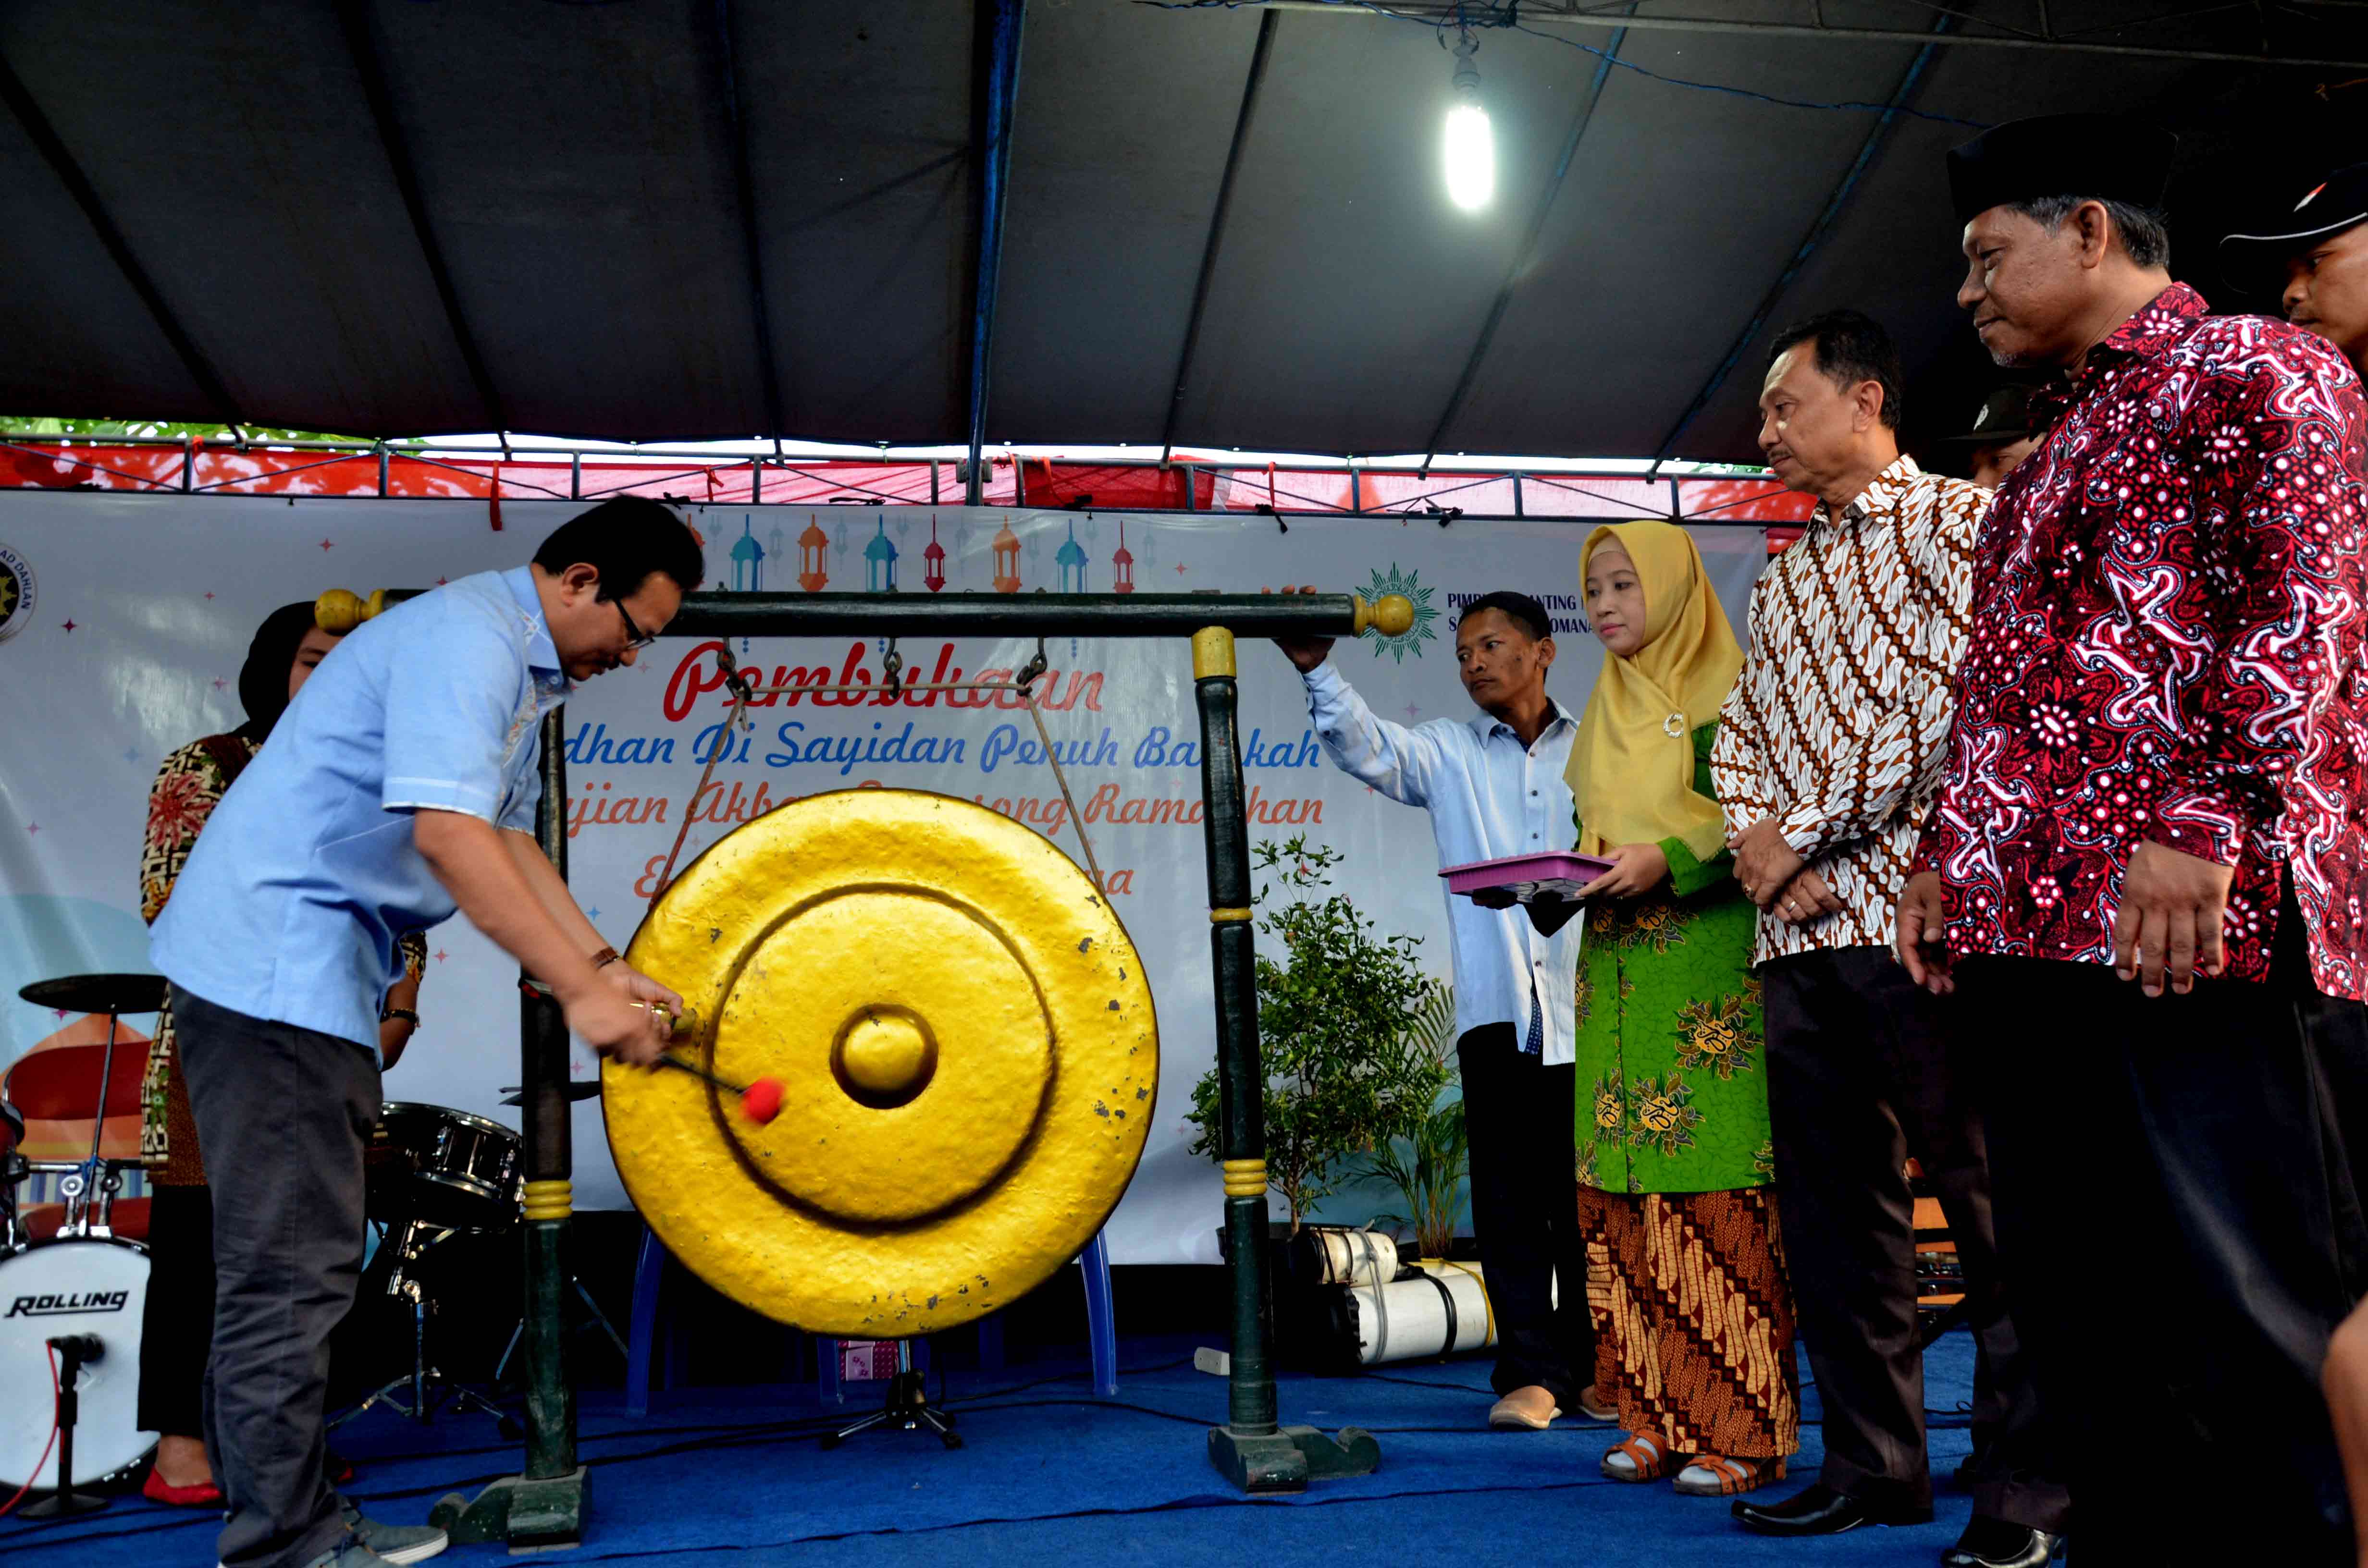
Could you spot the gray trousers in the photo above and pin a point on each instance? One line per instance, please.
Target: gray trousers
(283, 1115)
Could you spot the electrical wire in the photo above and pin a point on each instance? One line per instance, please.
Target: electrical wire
(57, 1405)
(1510, 21)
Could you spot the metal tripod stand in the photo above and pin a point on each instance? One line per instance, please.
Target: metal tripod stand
(908, 1406)
(427, 1386)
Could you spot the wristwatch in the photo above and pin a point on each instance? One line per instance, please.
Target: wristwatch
(406, 1015)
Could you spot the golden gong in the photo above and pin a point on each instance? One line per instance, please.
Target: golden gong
(965, 1045)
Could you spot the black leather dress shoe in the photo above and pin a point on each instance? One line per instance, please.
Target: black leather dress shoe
(1820, 1510)
(1996, 1543)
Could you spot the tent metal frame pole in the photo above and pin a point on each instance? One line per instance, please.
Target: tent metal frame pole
(638, 456)
(354, 17)
(1269, 24)
(1526, 256)
(60, 159)
(743, 184)
(998, 88)
(1818, 229)
(2057, 44)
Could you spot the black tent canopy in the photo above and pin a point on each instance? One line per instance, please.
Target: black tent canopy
(1219, 226)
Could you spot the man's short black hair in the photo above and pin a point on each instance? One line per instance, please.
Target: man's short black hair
(1851, 348)
(1519, 609)
(625, 539)
(2145, 232)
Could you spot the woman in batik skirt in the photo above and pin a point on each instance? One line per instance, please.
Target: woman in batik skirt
(1686, 1279)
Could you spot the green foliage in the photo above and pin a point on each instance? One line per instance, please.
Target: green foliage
(99, 430)
(1428, 1165)
(1346, 1073)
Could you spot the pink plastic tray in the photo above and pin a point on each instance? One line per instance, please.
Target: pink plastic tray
(1559, 864)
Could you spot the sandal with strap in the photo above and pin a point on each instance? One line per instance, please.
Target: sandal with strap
(1638, 1457)
(1716, 1475)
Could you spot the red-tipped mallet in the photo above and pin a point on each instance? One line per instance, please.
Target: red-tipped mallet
(760, 1101)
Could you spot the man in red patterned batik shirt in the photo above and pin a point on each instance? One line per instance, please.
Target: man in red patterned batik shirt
(2145, 869)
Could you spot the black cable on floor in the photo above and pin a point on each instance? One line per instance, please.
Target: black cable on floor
(1175, 1506)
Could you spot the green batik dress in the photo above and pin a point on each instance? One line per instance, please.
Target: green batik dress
(1685, 1281)
(1672, 1076)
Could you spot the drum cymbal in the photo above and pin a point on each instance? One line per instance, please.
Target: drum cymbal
(98, 993)
(965, 1043)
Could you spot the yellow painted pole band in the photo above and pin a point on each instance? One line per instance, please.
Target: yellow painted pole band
(1229, 915)
(1364, 614)
(1213, 653)
(549, 1200)
(1245, 1178)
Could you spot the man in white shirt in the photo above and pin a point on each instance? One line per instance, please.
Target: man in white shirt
(1493, 785)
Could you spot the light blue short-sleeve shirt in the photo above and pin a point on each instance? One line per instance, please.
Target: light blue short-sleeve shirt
(305, 877)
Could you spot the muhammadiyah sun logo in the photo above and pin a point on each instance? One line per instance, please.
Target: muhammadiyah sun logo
(1413, 637)
(15, 593)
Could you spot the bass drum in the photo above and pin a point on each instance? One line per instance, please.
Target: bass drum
(76, 1286)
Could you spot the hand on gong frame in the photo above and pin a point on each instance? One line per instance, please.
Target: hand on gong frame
(1304, 653)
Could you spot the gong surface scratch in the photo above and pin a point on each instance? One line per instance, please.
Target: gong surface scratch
(967, 1050)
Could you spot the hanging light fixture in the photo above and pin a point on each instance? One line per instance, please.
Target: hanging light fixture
(1470, 146)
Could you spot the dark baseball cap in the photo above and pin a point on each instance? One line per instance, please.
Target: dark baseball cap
(2256, 262)
(2005, 418)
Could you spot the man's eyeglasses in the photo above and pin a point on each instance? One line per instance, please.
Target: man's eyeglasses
(636, 638)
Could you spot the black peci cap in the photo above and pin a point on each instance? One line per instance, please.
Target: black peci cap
(2005, 417)
(2103, 156)
(2256, 262)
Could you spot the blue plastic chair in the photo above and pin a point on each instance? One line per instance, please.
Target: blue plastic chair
(649, 1275)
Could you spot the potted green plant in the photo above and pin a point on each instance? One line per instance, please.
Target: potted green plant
(1428, 1165)
(1344, 1074)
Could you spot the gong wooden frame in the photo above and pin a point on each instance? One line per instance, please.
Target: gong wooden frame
(1252, 1449)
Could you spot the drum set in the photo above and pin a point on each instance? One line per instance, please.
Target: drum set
(71, 1300)
(74, 1275)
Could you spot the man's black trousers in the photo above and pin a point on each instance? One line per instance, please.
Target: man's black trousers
(1865, 1071)
(2167, 1216)
(1519, 1115)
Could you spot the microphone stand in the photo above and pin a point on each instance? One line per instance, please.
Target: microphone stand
(73, 1350)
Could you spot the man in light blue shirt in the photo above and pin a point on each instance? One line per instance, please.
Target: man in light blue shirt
(1494, 786)
(400, 785)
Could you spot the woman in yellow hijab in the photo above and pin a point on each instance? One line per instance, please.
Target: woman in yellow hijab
(1693, 1309)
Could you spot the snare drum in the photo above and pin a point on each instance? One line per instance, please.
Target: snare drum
(80, 1285)
(444, 1166)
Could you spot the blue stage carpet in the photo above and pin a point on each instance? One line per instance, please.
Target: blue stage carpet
(1051, 1474)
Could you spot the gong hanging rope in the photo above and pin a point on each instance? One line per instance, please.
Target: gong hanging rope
(744, 691)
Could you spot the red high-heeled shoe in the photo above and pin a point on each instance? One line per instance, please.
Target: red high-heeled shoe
(156, 1489)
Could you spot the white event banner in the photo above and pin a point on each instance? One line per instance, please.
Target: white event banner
(124, 620)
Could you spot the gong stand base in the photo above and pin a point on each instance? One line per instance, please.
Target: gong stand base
(530, 1515)
(1288, 1458)
(908, 1407)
